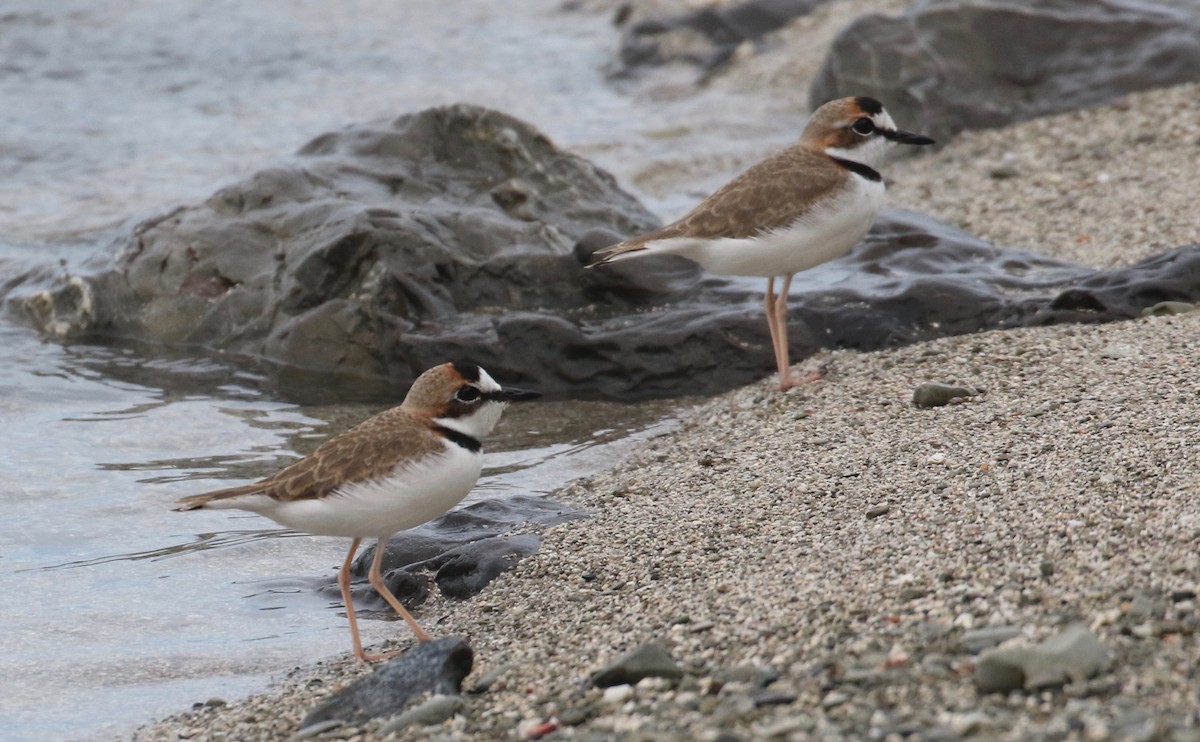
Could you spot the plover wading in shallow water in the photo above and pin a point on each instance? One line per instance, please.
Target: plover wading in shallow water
(394, 471)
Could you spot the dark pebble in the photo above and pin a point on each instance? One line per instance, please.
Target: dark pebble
(773, 698)
(647, 661)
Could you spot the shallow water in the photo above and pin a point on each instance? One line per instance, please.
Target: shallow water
(128, 609)
(116, 609)
(126, 107)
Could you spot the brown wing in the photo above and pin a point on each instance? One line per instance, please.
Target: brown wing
(369, 450)
(769, 195)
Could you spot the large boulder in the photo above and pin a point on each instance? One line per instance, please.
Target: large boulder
(706, 37)
(948, 65)
(459, 232)
(436, 222)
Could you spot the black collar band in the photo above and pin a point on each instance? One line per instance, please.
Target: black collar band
(866, 171)
(459, 438)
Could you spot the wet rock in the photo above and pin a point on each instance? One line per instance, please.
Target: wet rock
(331, 261)
(647, 661)
(436, 667)
(931, 394)
(466, 549)
(386, 250)
(466, 570)
(706, 38)
(1075, 655)
(948, 65)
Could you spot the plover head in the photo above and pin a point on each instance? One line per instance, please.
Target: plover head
(857, 129)
(462, 397)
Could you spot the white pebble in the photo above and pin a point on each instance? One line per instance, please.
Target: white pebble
(618, 693)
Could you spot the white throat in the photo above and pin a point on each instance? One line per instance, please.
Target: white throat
(871, 150)
(479, 424)
(482, 420)
(868, 153)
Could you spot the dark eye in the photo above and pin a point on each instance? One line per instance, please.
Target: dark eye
(467, 394)
(863, 126)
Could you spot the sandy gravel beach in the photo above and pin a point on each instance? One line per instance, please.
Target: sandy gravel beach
(1064, 492)
(837, 529)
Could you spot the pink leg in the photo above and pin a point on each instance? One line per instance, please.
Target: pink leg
(781, 343)
(773, 322)
(376, 580)
(380, 586)
(344, 584)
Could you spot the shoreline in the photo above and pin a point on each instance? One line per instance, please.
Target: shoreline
(1075, 456)
(731, 555)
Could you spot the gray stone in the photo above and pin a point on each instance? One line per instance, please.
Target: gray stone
(977, 640)
(485, 683)
(931, 394)
(706, 38)
(436, 667)
(647, 661)
(878, 511)
(948, 65)
(1075, 655)
(1169, 307)
(753, 675)
(434, 711)
(573, 716)
(773, 698)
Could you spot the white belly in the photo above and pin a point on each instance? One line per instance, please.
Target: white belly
(829, 231)
(404, 499)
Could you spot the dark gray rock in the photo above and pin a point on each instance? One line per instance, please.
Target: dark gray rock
(948, 65)
(436, 667)
(465, 549)
(466, 570)
(932, 394)
(706, 38)
(368, 236)
(387, 249)
(1075, 655)
(647, 661)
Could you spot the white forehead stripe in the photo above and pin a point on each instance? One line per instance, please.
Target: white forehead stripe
(884, 121)
(487, 383)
